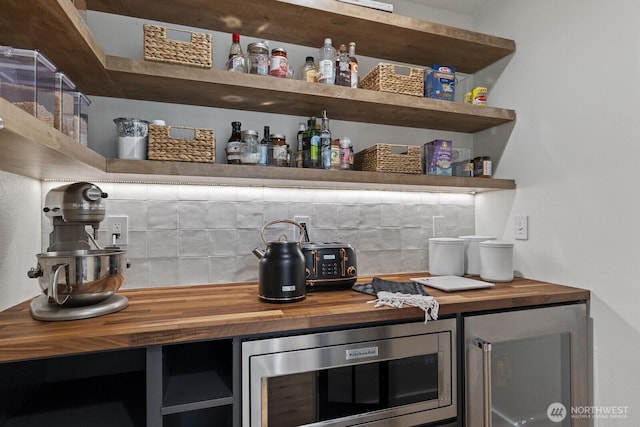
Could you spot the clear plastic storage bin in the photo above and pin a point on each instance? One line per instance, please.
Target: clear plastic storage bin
(64, 104)
(80, 117)
(27, 79)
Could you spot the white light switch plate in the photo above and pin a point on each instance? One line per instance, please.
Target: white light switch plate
(521, 227)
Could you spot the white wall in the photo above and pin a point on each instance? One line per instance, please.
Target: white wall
(572, 153)
(20, 213)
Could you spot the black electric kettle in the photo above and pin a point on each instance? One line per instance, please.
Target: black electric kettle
(281, 269)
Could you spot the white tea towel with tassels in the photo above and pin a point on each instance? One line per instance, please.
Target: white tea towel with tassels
(426, 303)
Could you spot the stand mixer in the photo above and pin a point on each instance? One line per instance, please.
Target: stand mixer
(78, 278)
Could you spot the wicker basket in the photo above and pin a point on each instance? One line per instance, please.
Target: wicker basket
(386, 78)
(197, 52)
(381, 158)
(161, 146)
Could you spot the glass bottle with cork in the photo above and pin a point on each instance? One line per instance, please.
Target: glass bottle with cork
(343, 72)
(353, 64)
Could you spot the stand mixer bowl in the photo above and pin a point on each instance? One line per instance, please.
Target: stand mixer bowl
(80, 278)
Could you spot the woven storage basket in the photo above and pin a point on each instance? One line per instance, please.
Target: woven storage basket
(386, 78)
(381, 158)
(197, 52)
(161, 146)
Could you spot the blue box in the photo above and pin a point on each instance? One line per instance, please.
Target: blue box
(440, 83)
(437, 156)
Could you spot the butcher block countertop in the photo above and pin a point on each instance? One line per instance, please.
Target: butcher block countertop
(204, 312)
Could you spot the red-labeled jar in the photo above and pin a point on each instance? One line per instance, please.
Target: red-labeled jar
(278, 63)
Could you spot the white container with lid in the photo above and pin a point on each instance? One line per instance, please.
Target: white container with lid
(446, 256)
(496, 260)
(472, 253)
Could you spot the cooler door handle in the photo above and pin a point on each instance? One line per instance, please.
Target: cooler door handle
(485, 346)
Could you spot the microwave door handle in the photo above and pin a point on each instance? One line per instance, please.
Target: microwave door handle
(485, 346)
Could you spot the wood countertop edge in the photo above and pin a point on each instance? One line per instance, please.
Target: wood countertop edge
(130, 329)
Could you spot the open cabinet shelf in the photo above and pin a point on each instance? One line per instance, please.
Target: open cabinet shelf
(58, 30)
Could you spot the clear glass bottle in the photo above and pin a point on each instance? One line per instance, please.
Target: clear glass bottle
(280, 150)
(310, 70)
(234, 145)
(249, 147)
(325, 142)
(236, 57)
(343, 73)
(326, 63)
(258, 58)
(353, 64)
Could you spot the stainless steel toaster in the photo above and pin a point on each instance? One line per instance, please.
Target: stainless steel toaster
(329, 265)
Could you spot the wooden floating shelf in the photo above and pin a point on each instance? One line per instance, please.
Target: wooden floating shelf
(33, 149)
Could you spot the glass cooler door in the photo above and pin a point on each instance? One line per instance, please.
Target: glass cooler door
(527, 367)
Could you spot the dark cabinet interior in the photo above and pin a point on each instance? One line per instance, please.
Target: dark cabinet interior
(98, 389)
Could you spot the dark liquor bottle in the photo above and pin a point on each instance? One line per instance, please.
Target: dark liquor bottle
(263, 148)
(234, 145)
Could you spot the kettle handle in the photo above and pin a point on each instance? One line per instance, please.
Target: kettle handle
(288, 221)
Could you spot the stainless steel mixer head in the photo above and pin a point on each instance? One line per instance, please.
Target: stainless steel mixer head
(71, 208)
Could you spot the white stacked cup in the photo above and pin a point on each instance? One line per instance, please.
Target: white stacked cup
(446, 256)
(472, 253)
(496, 261)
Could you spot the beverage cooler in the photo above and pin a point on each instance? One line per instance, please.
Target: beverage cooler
(526, 367)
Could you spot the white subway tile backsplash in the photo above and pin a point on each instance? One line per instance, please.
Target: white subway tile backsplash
(193, 215)
(369, 216)
(369, 239)
(348, 215)
(191, 234)
(136, 276)
(391, 238)
(392, 215)
(193, 271)
(249, 215)
(222, 269)
(223, 242)
(162, 244)
(413, 260)
(222, 214)
(413, 238)
(248, 240)
(137, 246)
(193, 243)
(274, 211)
(163, 272)
(162, 215)
(325, 215)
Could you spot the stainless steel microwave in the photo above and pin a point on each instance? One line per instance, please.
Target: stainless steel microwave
(400, 375)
